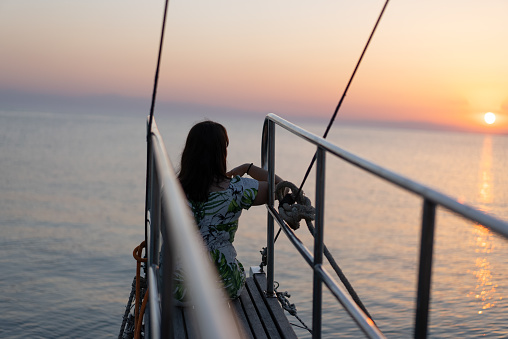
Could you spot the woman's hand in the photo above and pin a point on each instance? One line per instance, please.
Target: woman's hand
(253, 171)
(258, 173)
(240, 170)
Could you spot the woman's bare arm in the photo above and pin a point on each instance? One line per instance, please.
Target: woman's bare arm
(258, 173)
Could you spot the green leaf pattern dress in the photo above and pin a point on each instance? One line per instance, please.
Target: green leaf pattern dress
(217, 221)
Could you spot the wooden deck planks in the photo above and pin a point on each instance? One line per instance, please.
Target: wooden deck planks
(263, 312)
(276, 311)
(255, 325)
(259, 316)
(241, 318)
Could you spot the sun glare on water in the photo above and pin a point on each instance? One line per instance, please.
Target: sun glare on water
(489, 118)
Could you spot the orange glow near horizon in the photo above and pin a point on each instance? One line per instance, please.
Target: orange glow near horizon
(296, 62)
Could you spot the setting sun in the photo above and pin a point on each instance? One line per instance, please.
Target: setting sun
(490, 118)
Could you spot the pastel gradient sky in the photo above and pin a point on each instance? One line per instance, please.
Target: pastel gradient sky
(436, 62)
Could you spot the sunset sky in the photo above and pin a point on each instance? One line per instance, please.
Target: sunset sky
(435, 62)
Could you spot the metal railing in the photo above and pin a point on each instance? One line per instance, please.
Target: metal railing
(431, 199)
(170, 223)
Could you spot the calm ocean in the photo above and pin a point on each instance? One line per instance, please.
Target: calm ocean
(71, 212)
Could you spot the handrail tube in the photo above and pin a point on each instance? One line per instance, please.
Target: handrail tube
(215, 319)
(154, 217)
(212, 322)
(154, 309)
(425, 269)
(148, 197)
(167, 267)
(466, 211)
(363, 321)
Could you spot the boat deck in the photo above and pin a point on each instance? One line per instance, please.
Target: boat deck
(259, 316)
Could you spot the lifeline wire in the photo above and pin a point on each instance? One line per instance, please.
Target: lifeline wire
(149, 130)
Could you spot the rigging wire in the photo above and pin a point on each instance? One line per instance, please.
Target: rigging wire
(156, 81)
(340, 102)
(344, 94)
(328, 255)
(152, 106)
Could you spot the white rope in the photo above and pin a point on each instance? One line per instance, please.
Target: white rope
(293, 213)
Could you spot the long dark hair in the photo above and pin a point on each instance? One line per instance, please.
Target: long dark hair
(203, 159)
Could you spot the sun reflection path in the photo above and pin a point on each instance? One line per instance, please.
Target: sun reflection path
(485, 290)
(485, 180)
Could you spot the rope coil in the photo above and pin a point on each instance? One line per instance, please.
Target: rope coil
(293, 206)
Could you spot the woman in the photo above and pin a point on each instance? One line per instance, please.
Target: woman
(217, 197)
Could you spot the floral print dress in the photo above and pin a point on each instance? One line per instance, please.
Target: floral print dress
(217, 221)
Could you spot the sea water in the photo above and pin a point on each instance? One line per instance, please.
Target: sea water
(72, 209)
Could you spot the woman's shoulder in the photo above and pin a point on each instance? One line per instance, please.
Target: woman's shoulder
(220, 186)
(244, 183)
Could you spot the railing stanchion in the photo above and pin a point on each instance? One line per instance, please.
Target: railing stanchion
(318, 243)
(271, 199)
(152, 245)
(425, 270)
